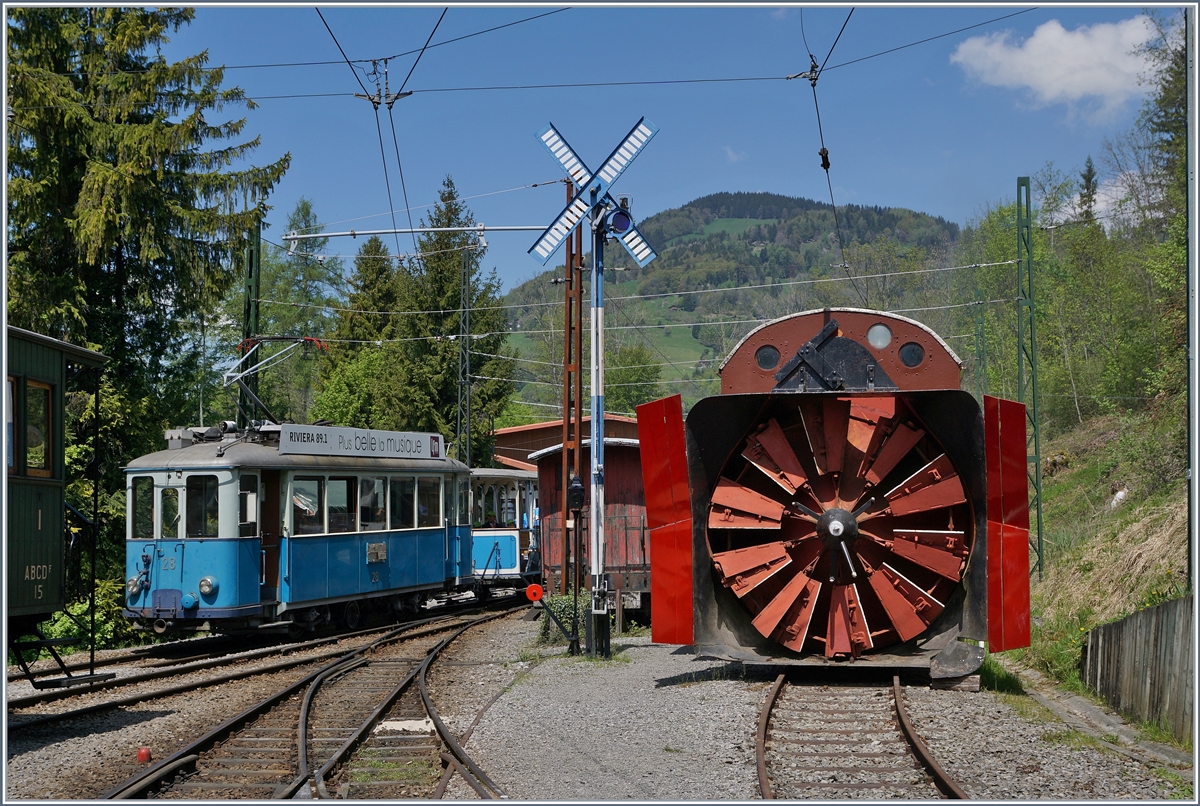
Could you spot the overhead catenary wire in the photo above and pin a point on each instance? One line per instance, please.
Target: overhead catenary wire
(577, 85)
(392, 121)
(378, 129)
(558, 303)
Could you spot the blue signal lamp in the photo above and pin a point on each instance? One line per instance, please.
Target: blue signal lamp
(618, 222)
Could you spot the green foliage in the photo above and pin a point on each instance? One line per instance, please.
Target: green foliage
(562, 607)
(113, 630)
(632, 379)
(1056, 645)
(994, 677)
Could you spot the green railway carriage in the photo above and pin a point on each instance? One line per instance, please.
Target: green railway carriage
(35, 542)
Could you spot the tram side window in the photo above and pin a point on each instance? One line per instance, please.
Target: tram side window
(38, 455)
(141, 508)
(402, 501)
(429, 501)
(248, 506)
(308, 506)
(202, 506)
(341, 504)
(170, 513)
(371, 502)
(464, 500)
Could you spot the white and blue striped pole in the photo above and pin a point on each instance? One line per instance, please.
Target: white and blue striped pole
(599, 591)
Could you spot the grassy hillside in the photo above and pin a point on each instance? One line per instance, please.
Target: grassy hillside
(1115, 538)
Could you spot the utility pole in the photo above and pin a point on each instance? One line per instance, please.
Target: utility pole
(572, 457)
(1027, 379)
(596, 547)
(463, 426)
(252, 256)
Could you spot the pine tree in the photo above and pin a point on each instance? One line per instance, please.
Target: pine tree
(370, 307)
(124, 210)
(410, 383)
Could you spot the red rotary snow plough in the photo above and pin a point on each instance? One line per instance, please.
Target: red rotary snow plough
(842, 499)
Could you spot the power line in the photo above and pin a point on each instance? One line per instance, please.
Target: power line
(512, 306)
(930, 39)
(578, 85)
(423, 47)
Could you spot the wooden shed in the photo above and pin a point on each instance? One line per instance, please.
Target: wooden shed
(626, 554)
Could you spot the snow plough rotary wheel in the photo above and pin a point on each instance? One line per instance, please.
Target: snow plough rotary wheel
(840, 524)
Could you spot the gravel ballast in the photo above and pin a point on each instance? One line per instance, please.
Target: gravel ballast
(653, 723)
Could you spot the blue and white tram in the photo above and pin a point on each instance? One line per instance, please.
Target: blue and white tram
(292, 525)
(505, 526)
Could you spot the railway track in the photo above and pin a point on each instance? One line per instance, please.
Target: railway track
(146, 665)
(356, 728)
(844, 741)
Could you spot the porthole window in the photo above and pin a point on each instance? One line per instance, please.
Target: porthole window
(912, 354)
(767, 357)
(879, 336)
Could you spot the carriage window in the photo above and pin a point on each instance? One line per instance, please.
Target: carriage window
(8, 421)
(38, 455)
(170, 513)
(202, 506)
(429, 501)
(248, 506)
(141, 508)
(402, 500)
(371, 502)
(464, 500)
(341, 504)
(308, 506)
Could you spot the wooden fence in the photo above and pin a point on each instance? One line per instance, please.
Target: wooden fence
(1142, 665)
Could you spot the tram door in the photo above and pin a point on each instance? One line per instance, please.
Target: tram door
(269, 532)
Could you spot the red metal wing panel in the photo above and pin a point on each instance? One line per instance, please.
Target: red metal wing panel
(671, 583)
(1016, 588)
(1014, 462)
(1008, 524)
(664, 461)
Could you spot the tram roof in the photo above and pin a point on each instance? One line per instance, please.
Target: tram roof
(503, 473)
(258, 455)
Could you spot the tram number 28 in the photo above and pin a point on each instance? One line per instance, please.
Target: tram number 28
(168, 563)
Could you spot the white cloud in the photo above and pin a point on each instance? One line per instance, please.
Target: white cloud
(734, 156)
(1091, 65)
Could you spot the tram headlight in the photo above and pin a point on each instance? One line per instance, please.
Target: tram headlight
(133, 586)
(208, 586)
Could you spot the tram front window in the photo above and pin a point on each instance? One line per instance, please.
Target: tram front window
(141, 508)
(202, 506)
(170, 514)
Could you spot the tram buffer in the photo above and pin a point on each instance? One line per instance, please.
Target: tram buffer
(593, 201)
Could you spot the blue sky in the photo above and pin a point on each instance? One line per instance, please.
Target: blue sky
(943, 127)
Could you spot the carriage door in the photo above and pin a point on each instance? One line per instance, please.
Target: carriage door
(269, 529)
